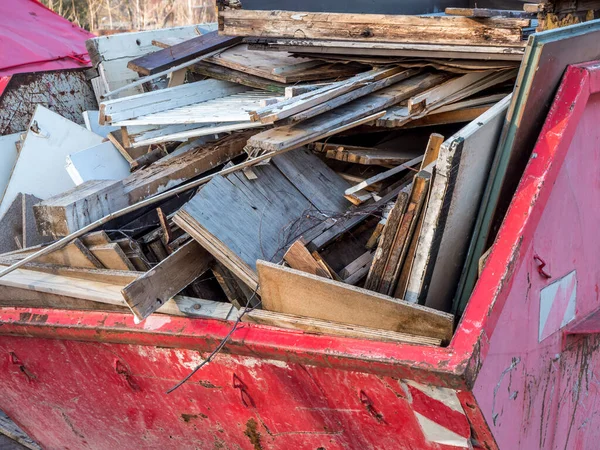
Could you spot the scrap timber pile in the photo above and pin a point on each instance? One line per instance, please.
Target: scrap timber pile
(320, 172)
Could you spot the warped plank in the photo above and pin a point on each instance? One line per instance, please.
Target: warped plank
(182, 52)
(290, 291)
(374, 27)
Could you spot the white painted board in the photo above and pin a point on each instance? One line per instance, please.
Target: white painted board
(90, 118)
(462, 171)
(40, 168)
(8, 158)
(115, 51)
(100, 162)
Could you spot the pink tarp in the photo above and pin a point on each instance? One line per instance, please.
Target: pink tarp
(35, 39)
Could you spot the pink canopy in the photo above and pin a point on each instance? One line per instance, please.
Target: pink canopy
(35, 39)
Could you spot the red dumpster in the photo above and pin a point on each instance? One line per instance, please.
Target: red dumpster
(519, 372)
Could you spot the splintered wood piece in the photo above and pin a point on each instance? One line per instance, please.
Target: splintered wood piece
(290, 291)
(386, 241)
(432, 150)
(179, 53)
(111, 256)
(383, 176)
(317, 326)
(378, 27)
(153, 289)
(167, 235)
(401, 243)
(299, 258)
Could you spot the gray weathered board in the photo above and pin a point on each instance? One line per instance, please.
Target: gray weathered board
(247, 220)
(461, 174)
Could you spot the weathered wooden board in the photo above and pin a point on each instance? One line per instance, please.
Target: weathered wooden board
(373, 27)
(40, 168)
(153, 289)
(290, 291)
(111, 54)
(279, 67)
(182, 52)
(316, 326)
(289, 196)
(461, 173)
(285, 136)
(111, 256)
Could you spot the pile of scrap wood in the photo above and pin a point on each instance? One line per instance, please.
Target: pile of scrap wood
(320, 172)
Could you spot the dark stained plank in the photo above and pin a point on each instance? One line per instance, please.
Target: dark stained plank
(179, 53)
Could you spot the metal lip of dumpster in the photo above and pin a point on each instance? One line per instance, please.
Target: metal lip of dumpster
(455, 366)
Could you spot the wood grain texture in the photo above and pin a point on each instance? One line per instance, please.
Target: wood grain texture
(111, 256)
(182, 52)
(153, 289)
(299, 258)
(293, 292)
(373, 27)
(316, 326)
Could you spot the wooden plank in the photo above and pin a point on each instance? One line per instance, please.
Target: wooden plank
(386, 241)
(429, 162)
(71, 210)
(95, 238)
(463, 167)
(293, 292)
(449, 117)
(374, 27)
(179, 53)
(117, 111)
(328, 92)
(111, 256)
(236, 76)
(365, 155)
(399, 249)
(235, 107)
(315, 180)
(317, 326)
(110, 54)
(357, 269)
(315, 128)
(271, 211)
(73, 255)
(40, 168)
(280, 67)
(118, 140)
(482, 13)
(382, 176)
(120, 277)
(99, 162)
(398, 116)
(363, 47)
(150, 291)
(299, 258)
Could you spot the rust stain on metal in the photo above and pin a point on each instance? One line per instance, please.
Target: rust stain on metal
(253, 434)
(187, 418)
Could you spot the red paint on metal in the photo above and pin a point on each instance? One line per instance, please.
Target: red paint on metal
(3, 83)
(35, 39)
